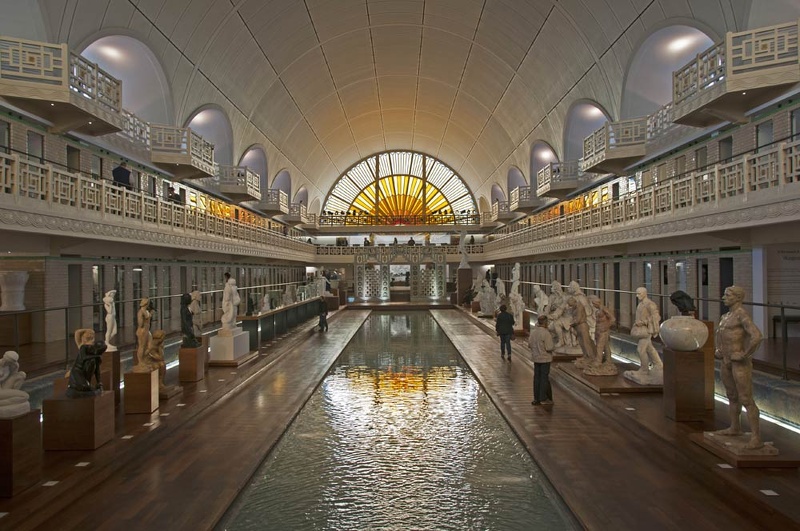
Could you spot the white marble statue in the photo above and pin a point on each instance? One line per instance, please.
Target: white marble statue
(230, 304)
(197, 313)
(558, 316)
(111, 319)
(515, 303)
(500, 288)
(462, 247)
(488, 300)
(322, 286)
(540, 300)
(265, 304)
(603, 364)
(645, 328)
(13, 401)
(287, 298)
(574, 289)
(515, 275)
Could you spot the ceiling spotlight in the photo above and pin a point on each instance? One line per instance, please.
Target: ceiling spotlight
(52, 105)
(743, 93)
(90, 123)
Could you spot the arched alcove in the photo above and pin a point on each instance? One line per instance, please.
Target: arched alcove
(256, 159)
(515, 179)
(213, 124)
(584, 118)
(541, 155)
(283, 181)
(301, 196)
(483, 204)
(498, 194)
(145, 89)
(313, 208)
(648, 81)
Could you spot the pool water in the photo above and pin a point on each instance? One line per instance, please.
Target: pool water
(399, 435)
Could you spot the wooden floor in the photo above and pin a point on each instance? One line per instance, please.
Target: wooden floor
(616, 460)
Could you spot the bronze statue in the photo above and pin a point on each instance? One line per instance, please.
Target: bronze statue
(86, 366)
(187, 324)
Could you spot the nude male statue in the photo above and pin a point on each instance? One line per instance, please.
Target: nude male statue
(581, 326)
(737, 338)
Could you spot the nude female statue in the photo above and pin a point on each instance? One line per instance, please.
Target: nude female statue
(143, 336)
(111, 319)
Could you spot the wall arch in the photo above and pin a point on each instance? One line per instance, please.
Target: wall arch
(145, 89)
(583, 118)
(255, 158)
(212, 123)
(283, 181)
(515, 179)
(542, 154)
(301, 196)
(498, 194)
(647, 85)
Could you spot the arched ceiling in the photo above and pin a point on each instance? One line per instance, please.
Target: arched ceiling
(324, 83)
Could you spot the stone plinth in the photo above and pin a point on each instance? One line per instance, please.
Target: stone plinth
(20, 453)
(191, 364)
(78, 423)
(141, 392)
(111, 363)
(230, 350)
(684, 385)
(732, 449)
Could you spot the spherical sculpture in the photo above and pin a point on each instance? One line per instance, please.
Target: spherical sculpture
(683, 332)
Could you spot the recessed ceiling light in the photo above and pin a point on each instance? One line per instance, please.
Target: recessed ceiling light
(680, 44)
(90, 123)
(743, 93)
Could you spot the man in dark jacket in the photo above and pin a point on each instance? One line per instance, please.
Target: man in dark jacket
(504, 326)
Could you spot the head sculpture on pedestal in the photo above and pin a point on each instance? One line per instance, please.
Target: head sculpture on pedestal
(683, 302)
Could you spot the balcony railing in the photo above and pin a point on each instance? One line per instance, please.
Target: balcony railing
(180, 146)
(61, 86)
(746, 69)
(614, 146)
(501, 211)
(344, 219)
(31, 187)
(274, 202)
(759, 178)
(238, 183)
(134, 129)
(557, 178)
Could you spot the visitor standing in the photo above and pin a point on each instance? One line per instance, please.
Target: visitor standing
(122, 175)
(504, 326)
(541, 345)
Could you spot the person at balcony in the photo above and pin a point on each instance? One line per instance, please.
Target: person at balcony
(174, 196)
(122, 175)
(737, 338)
(541, 345)
(411, 241)
(367, 242)
(395, 242)
(472, 239)
(504, 326)
(645, 328)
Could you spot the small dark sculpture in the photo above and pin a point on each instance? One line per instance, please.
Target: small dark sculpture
(187, 328)
(684, 302)
(251, 306)
(86, 366)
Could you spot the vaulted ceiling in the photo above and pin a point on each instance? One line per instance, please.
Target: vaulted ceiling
(322, 84)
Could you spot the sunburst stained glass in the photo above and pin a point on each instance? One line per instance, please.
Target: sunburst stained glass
(400, 183)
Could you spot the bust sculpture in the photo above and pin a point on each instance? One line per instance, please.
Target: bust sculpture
(737, 338)
(111, 319)
(143, 336)
(187, 323)
(87, 366)
(13, 401)
(644, 329)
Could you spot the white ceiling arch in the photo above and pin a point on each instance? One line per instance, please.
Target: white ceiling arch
(323, 84)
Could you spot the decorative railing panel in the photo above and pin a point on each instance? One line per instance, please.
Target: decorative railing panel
(135, 129)
(705, 71)
(240, 177)
(34, 62)
(762, 49)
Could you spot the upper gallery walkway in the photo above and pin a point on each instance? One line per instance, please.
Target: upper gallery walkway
(185, 464)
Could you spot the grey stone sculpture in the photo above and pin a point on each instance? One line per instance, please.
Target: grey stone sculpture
(187, 323)
(13, 401)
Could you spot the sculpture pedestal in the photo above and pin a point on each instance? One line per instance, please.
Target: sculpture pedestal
(111, 362)
(475, 306)
(78, 423)
(230, 351)
(730, 449)
(141, 392)
(684, 385)
(20, 453)
(191, 364)
(332, 303)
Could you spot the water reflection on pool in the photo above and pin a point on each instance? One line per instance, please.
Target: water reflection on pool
(399, 436)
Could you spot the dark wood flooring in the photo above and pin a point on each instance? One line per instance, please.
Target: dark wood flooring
(616, 460)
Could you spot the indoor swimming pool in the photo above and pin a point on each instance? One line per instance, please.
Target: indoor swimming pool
(399, 435)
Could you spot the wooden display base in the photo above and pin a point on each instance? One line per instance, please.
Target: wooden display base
(191, 364)
(559, 357)
(141, 392)
(111, 363)
(608, 384)
(106, 378)
(745, 461)
(685, 385)
(238, 362)
(20, 453)
(78, 423)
